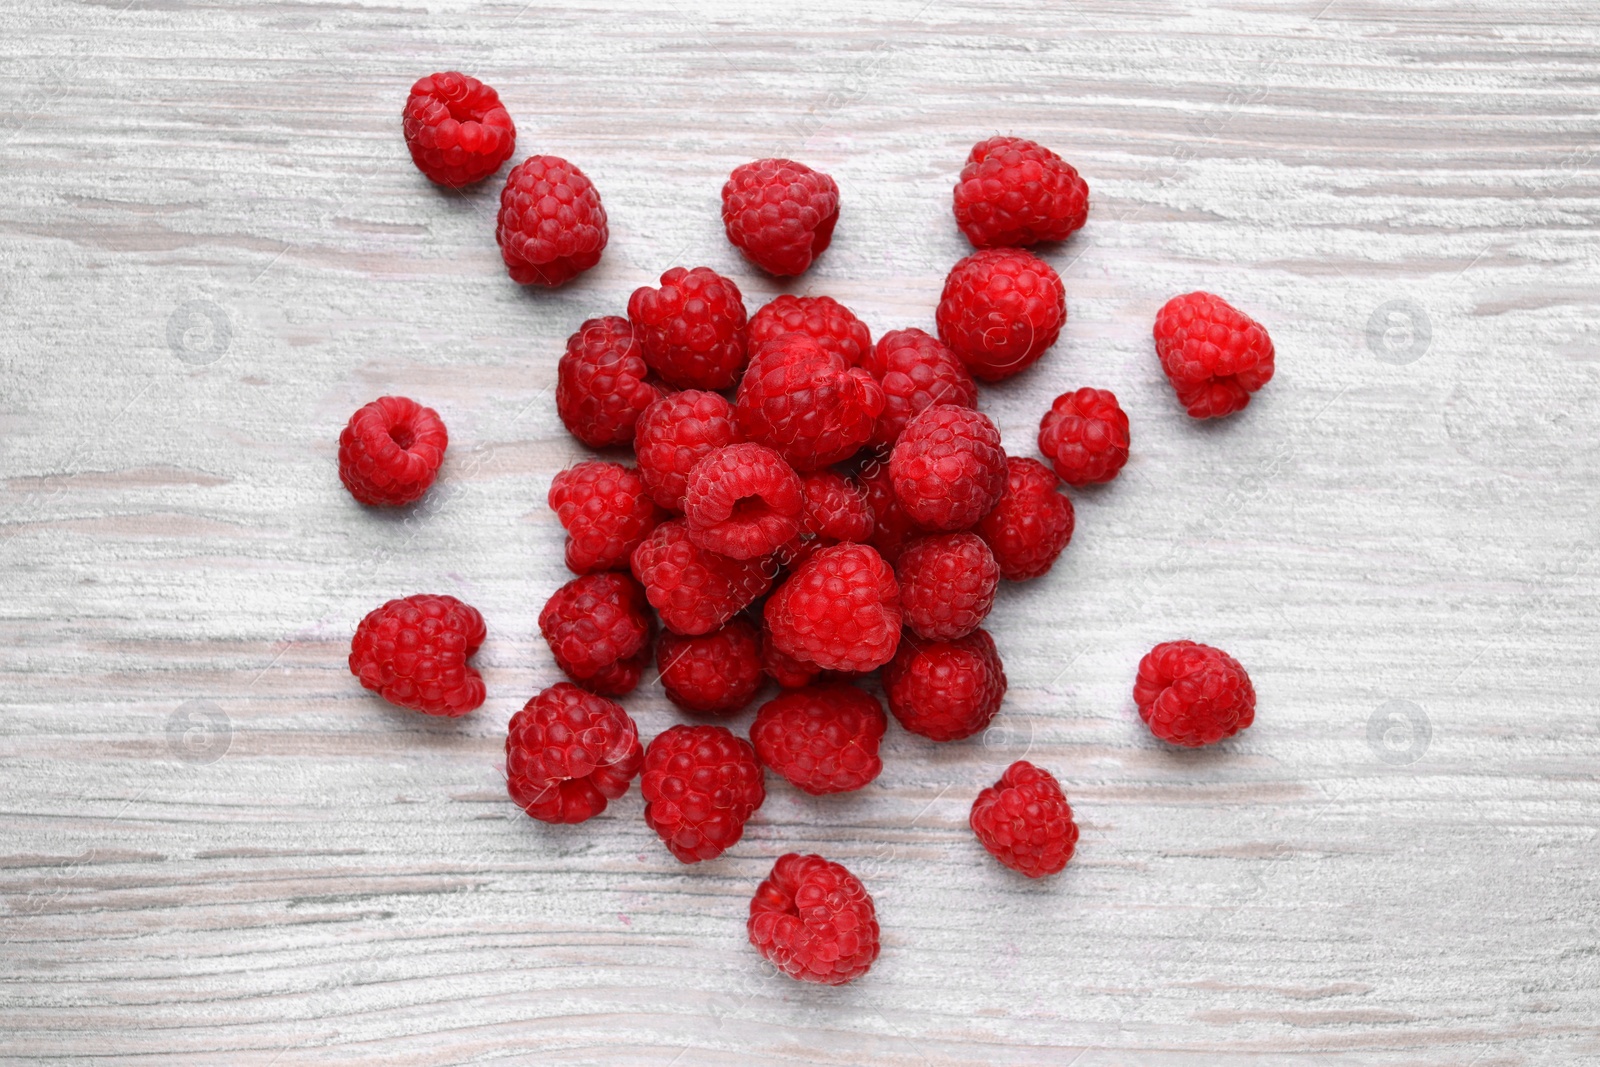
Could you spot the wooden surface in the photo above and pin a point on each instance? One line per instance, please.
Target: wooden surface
(216, 848)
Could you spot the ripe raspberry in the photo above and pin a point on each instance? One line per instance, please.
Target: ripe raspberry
(1214, 354)
(1025, 822)
(742, 501)
(840, 610)
(674, 434)
(1000, 309)
(717, 673)
(568, 752)
(945, 690)
(413, 652)
(390, 450)
(822, 318)
(1031, 523)
(807, 403)
(948, 467)
(836, 510)
(814, 921)
(1014, 192)
(780, 213)
(456, 129)
(1192, 695)
(892, 528)
(552, 227)
(695, 591)
(1085, 436)
(593, 624)
(606, 513)
(700, 784)
(916, 372)
(783, 668)
(823, 738)
(602, 383)
(692, 328)
(947, 585)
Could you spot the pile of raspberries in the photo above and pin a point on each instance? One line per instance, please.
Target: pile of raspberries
(806, 507)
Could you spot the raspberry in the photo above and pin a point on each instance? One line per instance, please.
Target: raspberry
(674, 434)
(1214, 354)
(1025, 822)
(947, 585)
(692, 328)
(606, 513)
(1030, 524)
(568, 752)
(840, 610)
(807, 403)
(552, 227)
(836, 510)
(593, 624)
(892, 528)
(780, 213)
(602, 383)
(623, 675)
(783, 668)
(916, 372)
(390, 450)
(1085, 436)
(717, 673)
(1000, 309)
(413, 652)
(823, 738)
(700, 784)
(945, 690)
(822, 318)
(1192, 695)
(742, 501)
(814, 921)
(695, 591)
(1014, 192)
(456, 129)
(948, 467)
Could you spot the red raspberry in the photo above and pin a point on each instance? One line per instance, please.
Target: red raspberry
(1031, 524)
(823, 738)
(807, 403)
(742, 501)
(552, 227)
(945, 690)
(390, 450)
(692, 328)
(413, 652)
(1192, 695)
(836, 510)
(1025, 822)
(602, 383)
(814, 921)
(1000, 309)
(821, 318)
(568, 752)
(780, 213)
(700, 784)
(695, 591)
(1214, 354)
(1085, 436)
(783, 668)
(717, 673)
(916, 371)
(1014, 192)
(840, 610)
(947, 585)
(674, 434)
(622, 676)
(948, 467)
(456, 129)
(595, 623)
(892, 528)
(606, 513)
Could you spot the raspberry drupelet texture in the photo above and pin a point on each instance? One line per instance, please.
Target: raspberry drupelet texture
(716, 673)
(780, 214)
(1000, 310)
(916, 371)
(1030, 524)
(568, 752)
(413, 652)
(1015, 192)
(1214, 355)
(456, 129)
(1084, 435)
(606, 512)
(743, 501)
(700, 785)
(945, 690)
(695, 590)
(892, 528)
(597, 626)
(814, 921)
(602, 383)
(1025, 822)
(692, 328)
(840, 609)
(807, 403)
(552, 227)
(947, 585)
(390, 451)
(948, 467)
(788, 672)
(1191, 694)
(823, 738)
(836, 510)
(822, 318)
(674, 434)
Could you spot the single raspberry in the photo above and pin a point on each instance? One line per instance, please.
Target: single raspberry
(413, 652)
(1014, 192)
(742, 501)
(390, 450)
(1085, 436)
(788, 672)
(700, 784)
(717, 673)
(602, 383)
(814, 921)
(1000, 309)
(1031, 523)
(807, 403)
(1214, 355)
(594, 623)
(692, 328)
(568, 752)
(1192, 695)
(948, 467)
(780, 213)
(947, 585)
(822, 318)
(1025, 822)
(823, 738)
(552, 227)
(840, 610)
(945, 690)
(892, 528)
(456, 129)
(916, 371)
(695, 590)
(606, 512)
(674, 434)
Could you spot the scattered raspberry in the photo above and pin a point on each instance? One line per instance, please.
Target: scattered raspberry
(695, 591)
(390, 450)
(814, 921)
(593, 624)
(456, 129)
(700, 784)
(413, 652)
(1014, 192)
(947, 585)
(568, 752)
(716, 673)
(823, 738)
(840, 610)
(945, 690)
(916, 372)
(948, 467)
(552, 227)
(1085, 436)
(822, 318)
(1214, 354)
(783, 668)
(674, 434)
(602, 383)
(1031, 523)
(1025, 822)
(606, 512)
(892, 528)
(807, 403)
(742, 501)
(692, 328)
(1000, 309)
(780, 214)
(1192, 695)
